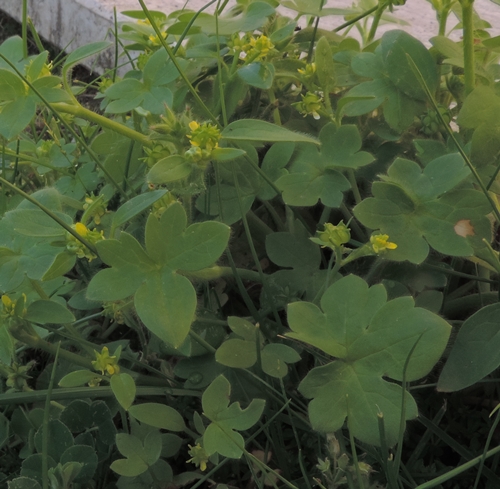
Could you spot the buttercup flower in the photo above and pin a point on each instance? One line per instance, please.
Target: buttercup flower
(203, 138)
(106, 363)
(78, 248)
(9, 306)
(380, 243)
(308, 71)
(310, 105)
(334, 235)
(199, 456)
(154, 40)
(258, 47)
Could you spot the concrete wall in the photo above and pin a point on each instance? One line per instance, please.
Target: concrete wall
(72, 23)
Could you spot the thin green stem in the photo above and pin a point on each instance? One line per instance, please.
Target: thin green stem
(354, 185)
(183, 75)
(458, 470)
(35, 35)
(486, 446)
(53, 216)
(355, 19)
(89, 393)
(215, 272)
(45, 425)
(468, 45)
(222, 96)
(24, 31)
(375, 22)
(79, 111)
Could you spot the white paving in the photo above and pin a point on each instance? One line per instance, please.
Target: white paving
(73, 23)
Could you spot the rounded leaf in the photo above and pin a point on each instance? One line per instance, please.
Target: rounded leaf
(158, 415)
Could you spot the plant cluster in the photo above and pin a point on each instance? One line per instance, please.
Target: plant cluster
(252, 254)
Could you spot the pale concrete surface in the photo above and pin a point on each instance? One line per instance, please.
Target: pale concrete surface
(72, 23)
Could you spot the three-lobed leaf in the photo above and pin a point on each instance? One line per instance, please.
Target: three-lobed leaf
(165, 301)
(421, 208)
(222, 436)
(370, 339)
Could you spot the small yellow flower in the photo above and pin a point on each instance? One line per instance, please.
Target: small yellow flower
(335, 235)
(155, 40)
(308, 71)
(199, 456)
(204, 136)
(9, 306)
(81, 229)
(104, 362)
(379, 243)
(311, 104)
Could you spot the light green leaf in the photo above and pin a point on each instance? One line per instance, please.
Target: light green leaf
(368, 343)
(226, 154)
(476, 351)
(78, 378)
(323, 58)
(61, 265)
(258, 74)
(166, 303)
(83, 52)
(262, 132)
(418, 208)
(396, 46)
(221, 435)
(130, 467)
(135, 206)
(16, 115)
(313, 172)
(169, 169)
(482, 106)
(237, 353)
(158, 415)
(113, 284)
(23, 483)
(123, 387)
(46, 311)
(11, 86)
(193, 248)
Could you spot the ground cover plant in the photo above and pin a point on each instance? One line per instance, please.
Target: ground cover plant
(268, 258)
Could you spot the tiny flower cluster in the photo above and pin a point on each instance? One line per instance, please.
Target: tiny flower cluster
(105, 363)
(199, 456)
(11, 308)
(77, 247)
(333, 236)
(204, 138)
(311, 104)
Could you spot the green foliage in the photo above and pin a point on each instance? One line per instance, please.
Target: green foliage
(368, 343)
(272, 229)
(221, 435)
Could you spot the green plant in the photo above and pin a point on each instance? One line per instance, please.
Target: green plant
(256, 249)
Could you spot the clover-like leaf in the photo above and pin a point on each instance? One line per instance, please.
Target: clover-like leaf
(240, 351)
(165, 300)
(314, 173)
(151, 94)
(370, 339)
(393, 84)
(222, 435)
(419, 209)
